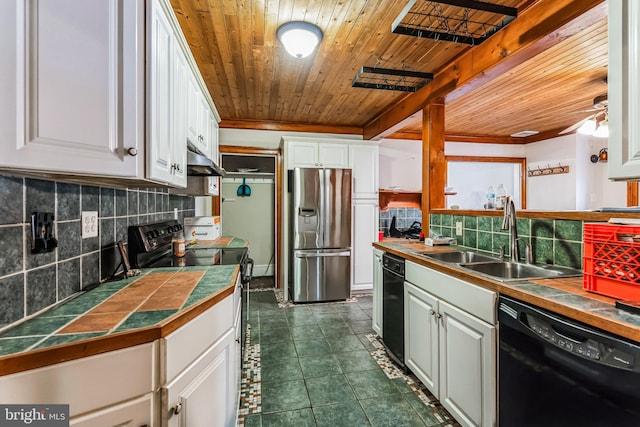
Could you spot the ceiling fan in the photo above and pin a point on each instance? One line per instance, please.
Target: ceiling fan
(596, 123)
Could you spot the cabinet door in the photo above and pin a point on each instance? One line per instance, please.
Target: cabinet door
(364, 225)
(377, 292)
(205, 126)
(467, 367)
(215, 140)
(73, 86)
(624, 88)
(205, 401)
(193, 114)
(302, 155)
(160, 137)
(421, 353)
(333, 155)
(133, 413)
(363, 160)
(179, 113)
(213, 185)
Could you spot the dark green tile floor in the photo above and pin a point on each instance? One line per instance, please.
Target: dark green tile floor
(321, 365)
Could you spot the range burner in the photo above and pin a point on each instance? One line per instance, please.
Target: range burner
(150, 246)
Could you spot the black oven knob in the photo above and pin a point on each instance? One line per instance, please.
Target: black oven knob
(156, 233)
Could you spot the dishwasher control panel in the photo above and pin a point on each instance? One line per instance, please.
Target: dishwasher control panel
(584, 347)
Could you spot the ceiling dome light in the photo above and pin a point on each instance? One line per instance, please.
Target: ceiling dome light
(299, 38)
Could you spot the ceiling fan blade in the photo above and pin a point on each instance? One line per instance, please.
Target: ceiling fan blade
(575, 126)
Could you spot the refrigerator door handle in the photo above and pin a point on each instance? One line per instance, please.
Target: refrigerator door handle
(321, 254)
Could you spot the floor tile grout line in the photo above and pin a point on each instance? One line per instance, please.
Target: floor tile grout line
(378, 354)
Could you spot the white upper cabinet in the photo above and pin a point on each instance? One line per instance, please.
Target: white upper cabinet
(159, 123)
(73, 86)
(308, 154)
(624, 89)
(203, 126)
(363, 160)
(99, 88)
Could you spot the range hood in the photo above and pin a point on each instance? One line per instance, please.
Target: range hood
(199, 165)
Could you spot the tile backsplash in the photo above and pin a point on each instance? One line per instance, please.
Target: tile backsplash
(553, 241)
(29, 282)
(405, 217)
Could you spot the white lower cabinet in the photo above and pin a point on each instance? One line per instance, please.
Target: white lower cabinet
(377, 292)
(450, 342)
(133, 413)
(200, 396)
(364, 219)
(201, 362)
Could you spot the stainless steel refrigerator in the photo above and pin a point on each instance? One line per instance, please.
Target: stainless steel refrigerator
(321, 235)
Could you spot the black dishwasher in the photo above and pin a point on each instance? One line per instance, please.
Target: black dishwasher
(555, 371)
(393, 307)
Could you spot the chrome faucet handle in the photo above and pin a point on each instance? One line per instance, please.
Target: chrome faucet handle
(501, 251)
(528, 251)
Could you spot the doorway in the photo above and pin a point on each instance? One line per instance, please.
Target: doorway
(249, 204)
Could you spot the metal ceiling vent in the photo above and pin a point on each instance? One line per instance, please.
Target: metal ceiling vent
(458, 21)
(390, 79)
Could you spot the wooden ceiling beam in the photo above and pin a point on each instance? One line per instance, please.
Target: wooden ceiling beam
(289, 127)
(482, 139)
(544, 24)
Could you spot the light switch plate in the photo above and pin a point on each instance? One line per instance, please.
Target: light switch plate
(458, 228)
(89, 224)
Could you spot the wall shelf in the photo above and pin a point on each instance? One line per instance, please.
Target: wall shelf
(400, 199)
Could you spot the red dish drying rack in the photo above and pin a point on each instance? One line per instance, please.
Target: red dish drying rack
(612, 260)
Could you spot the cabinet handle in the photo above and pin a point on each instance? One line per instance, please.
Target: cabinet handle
(238, 340)
(132, 151)
(438, 316)
(178, 168)
(433, 312)
(177, 409)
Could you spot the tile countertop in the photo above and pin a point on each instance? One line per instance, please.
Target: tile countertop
(219, 243)
(564, 296)
(116, 315)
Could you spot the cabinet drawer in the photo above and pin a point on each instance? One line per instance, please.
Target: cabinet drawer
(85, 384)
(471, 298)
(188, 342)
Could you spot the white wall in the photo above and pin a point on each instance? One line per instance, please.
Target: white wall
(585, 187)
(251, 218)
(552, 192)
(400, 164)
(593, 189)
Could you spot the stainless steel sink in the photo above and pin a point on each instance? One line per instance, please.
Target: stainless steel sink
(459, 256)
(508, 270)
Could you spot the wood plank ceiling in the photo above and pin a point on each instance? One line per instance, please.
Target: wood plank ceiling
(252, 80)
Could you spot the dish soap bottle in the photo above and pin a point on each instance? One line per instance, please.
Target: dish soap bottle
(501, 196)
(179, 245)
(491, 198)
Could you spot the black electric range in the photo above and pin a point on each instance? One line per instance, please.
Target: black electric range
(149, 246)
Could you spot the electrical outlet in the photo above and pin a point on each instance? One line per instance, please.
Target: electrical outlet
(458, 228)
(89, 224)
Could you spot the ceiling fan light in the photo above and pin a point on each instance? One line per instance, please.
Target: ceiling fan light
(602, 131)
(587, 128)
(299, 38)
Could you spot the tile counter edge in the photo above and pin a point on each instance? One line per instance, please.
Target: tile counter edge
(597, 318)
(38, 358)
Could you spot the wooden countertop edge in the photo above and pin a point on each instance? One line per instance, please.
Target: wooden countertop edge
(40, 358)
(589, 317)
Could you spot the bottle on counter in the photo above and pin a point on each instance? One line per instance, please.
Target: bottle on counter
(501, 196)
(179, 245)
(491, 198)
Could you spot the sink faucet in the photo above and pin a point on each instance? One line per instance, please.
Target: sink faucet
(509, 223)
